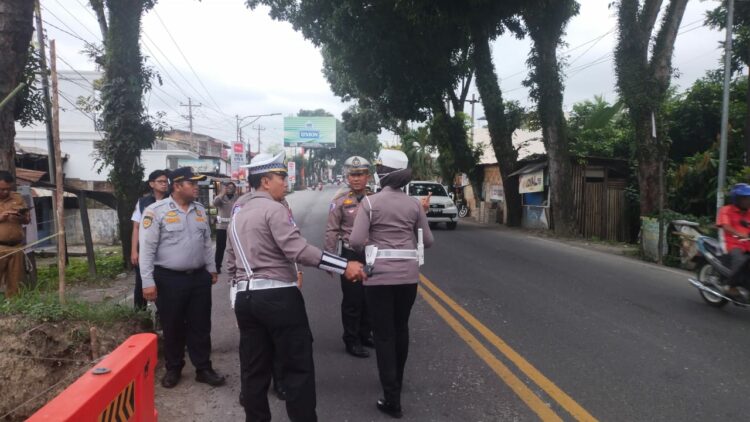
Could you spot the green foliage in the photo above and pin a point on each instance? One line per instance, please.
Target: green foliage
(416, 145)
(30, 101)
(694, 117)
(717, 19)
(77, 271)
(599, 129)
(46, 307)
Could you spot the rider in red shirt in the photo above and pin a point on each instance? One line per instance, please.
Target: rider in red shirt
(734, 220)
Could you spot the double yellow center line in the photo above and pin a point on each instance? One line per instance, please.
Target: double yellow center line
(430, 293)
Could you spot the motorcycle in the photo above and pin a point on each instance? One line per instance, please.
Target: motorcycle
(463, 210)
(713, 275)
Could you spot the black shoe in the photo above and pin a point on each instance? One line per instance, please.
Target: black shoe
(171, 378)
(357, 350)
(280, 392)
(210, 377)
(390, 409)
(368, 342)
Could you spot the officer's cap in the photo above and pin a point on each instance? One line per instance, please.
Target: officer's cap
(356, 165)
(266, 163)
(393, 159)
(184, 173)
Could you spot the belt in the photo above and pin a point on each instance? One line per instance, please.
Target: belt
(397, 254)
(263, 284)
(180, 272)
(223, 220)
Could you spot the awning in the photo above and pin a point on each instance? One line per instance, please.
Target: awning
(529, 168)
(31, 176)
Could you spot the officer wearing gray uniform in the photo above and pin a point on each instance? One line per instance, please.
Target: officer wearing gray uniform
(386, 228)
(177, 267)
(269, 307)
(343, 210)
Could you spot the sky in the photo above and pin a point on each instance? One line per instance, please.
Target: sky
(237, 62)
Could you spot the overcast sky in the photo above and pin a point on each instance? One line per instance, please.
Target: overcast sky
(235, 61)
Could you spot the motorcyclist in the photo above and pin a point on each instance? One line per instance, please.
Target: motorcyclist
(734, 220)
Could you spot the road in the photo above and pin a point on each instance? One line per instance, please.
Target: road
(510, 327)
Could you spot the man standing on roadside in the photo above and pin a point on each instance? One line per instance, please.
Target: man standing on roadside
(159, 184)
(343, 210)
(224, 202)
(178, 270)
(14, 213)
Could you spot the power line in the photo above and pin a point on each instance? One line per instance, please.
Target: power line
(186, 59)
(76, 19)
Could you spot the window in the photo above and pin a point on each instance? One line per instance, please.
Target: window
(424, 189)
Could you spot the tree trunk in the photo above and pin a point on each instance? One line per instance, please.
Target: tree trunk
(648, 163)
(500, 134)
(747, 123)
(16, 28)
(554, 132)
(123, 116)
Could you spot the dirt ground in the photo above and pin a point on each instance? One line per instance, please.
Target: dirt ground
(38, 360)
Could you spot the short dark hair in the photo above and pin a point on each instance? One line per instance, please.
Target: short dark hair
(157, 174)
(6, 176)
(255, 180)
(231, 183)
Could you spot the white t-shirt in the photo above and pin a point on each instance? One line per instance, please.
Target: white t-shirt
(136, 218)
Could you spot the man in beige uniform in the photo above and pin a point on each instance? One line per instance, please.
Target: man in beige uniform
(343, 210)
(269, 307)
(13, 214)
(224, 202)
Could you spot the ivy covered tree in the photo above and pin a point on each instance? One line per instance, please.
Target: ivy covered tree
(545, 23)
(643, 65)
(16, 28)
(127, 128)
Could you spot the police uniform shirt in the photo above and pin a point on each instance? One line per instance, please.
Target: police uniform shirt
(341, 216)
(174, 239)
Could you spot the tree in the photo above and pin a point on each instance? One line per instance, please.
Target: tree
(598, 128)
(127, 128)
(717, 19)
(545, 22)
(643, 82)
(416, 145)
(16, 28)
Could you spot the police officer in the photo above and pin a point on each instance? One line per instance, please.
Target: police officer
(269, 307)
(224, 202)
(343, 210)
(178, 269)
(386, 228)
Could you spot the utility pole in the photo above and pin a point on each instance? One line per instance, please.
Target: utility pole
(473, 101)
(725, 107)
(259, 128)
(189, 117)
(59, 211)
(45, 91)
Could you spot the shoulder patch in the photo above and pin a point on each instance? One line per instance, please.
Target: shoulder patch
(147, 221)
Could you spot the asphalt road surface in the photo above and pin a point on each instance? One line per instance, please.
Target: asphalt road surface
(510, 327)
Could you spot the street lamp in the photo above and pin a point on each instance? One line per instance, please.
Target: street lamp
(725, 107)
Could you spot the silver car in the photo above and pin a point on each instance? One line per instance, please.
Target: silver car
(442, 209)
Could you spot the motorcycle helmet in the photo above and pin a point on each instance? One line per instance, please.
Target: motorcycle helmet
(740, 189)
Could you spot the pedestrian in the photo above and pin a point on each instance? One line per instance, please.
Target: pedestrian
(224, 202)
(342, 211)
(14, 213)
(178, 270)
(386, 229)
(159, 185)
(269, 306)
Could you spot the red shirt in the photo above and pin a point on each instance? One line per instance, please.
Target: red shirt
(733, 216)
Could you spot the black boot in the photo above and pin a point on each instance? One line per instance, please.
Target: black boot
(357, 350)
(171, 378)
(390, 409)
(210, 377)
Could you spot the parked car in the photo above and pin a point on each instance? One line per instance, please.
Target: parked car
(442, 209)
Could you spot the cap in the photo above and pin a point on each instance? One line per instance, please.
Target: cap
(184, 173)
(356, 164)
(264, 163)
(392, 158)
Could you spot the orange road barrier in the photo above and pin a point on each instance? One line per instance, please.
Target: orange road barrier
(119, 388)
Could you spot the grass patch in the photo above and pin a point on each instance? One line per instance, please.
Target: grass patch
(45, 307)
(108, 266)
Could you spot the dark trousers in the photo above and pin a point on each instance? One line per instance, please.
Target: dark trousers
(738, 262)
(221, 246)
(354, 315)
(138, 301)
(390, 307)
(184, 305)
(273, 326)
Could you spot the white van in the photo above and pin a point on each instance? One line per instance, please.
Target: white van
(442, 209)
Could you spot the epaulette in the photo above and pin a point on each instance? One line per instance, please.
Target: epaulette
(339, 194)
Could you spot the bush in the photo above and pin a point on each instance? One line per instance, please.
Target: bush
(77, 272)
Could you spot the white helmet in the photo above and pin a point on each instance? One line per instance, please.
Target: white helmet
(392, 158)
(356, 164)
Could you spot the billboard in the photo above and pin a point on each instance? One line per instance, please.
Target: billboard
(310, 132)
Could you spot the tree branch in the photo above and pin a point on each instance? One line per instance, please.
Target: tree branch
(98, 6)
(648, 15)
(661, 61)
